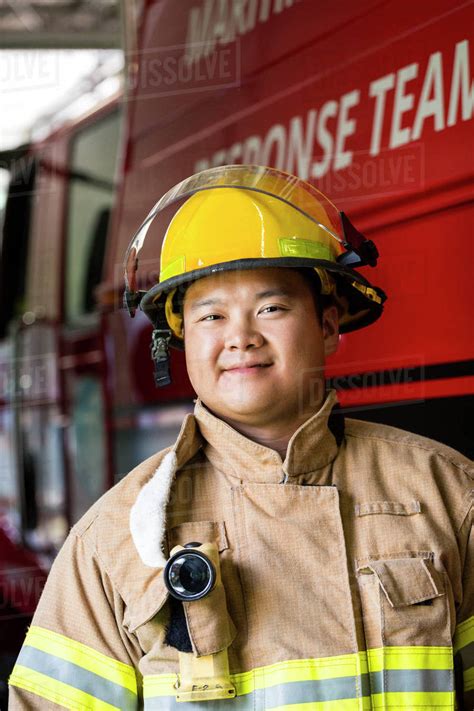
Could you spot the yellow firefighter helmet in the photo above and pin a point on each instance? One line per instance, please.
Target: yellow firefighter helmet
(247, 217)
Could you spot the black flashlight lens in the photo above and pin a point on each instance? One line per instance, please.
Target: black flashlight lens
(189, 575)
(194, 575)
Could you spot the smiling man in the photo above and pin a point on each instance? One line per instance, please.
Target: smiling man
(277, 555)
(250, 334)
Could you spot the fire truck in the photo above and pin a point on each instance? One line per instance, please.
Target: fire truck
(371, 102)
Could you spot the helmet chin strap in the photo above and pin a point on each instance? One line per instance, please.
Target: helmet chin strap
(160, 356)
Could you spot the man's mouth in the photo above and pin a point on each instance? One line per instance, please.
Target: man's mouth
(247, 367)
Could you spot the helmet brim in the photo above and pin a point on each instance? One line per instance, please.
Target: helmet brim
(360, 302)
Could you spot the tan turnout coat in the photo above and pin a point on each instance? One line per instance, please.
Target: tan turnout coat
(348, 571)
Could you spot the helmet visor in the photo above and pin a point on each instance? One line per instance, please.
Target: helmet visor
(295, 219)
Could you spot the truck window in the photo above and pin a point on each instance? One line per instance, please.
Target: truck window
(91, 195)
(14, 239)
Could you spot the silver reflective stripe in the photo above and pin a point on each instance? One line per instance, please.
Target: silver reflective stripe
(401, 680)
(294, 692)
(300, 692)
(77, 677)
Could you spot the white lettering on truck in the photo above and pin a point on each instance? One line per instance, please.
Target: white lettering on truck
(319, 141)
(221, 21)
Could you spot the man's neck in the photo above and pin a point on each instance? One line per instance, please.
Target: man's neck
(275, 436)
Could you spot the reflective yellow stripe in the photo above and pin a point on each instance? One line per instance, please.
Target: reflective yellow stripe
(84, 656)
(53, 666)
(289, 247)
(339, 705)
(160, 684)
(56, 691)
(299, 670)
(367, 291)
(413, 700)
(176, 267)
(410, 658)
(464, 634)
(279, 673)
(413, 668)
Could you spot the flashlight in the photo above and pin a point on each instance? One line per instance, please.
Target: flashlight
(189, 574)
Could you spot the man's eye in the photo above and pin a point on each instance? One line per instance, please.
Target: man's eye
(210, 317)
(271, 309)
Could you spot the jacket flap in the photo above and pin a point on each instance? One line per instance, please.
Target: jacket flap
(406, 581)
(210, 627)
(154, 593)
(150, 601)
(393, 508)
(198, 532)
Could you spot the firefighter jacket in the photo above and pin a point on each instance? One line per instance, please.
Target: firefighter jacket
(348, 571)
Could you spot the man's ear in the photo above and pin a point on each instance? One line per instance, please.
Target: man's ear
(330, 330)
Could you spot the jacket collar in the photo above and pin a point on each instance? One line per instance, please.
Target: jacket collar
(135, 511)
(312, 447)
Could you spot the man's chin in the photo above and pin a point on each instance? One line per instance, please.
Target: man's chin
(250, 410)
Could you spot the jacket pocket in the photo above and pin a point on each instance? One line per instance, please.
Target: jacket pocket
(404, 601)
(407, 620)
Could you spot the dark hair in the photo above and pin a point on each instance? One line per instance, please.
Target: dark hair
(177, 303)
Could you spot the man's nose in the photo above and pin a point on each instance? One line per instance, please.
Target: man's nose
(242, 334)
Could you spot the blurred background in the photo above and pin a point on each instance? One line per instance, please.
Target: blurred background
(105, 106)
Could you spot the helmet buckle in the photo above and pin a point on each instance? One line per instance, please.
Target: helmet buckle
(160, 356)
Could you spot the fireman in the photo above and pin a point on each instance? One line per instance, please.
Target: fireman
(278, 555)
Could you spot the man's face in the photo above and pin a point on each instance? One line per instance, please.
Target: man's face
(255, 348)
